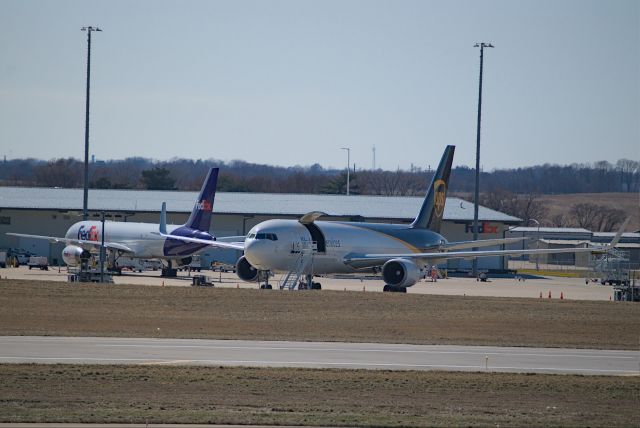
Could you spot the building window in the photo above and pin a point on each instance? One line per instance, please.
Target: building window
(5, 220)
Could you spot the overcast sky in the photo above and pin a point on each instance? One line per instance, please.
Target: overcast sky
(291, 82)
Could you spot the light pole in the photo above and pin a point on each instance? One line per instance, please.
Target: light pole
(537, 242)
(85, 213)
(477, 192)
(102, 251)
(348, 165)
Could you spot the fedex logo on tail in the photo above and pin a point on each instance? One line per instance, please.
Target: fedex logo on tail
(204, 205)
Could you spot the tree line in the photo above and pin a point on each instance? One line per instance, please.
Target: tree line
(512, 191)
(240, 176)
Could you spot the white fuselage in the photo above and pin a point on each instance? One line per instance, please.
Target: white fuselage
(142, 238)
(341, 239)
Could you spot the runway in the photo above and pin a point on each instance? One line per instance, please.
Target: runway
(150, 351)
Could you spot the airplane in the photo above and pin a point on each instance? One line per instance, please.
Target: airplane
(402, 253)
(142, 240)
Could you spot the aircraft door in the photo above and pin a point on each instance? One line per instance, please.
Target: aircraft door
(316, 236)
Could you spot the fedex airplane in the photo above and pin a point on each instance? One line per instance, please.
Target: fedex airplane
(402, 253)
(142, 240)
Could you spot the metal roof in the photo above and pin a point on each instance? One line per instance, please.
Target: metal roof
(382, 207)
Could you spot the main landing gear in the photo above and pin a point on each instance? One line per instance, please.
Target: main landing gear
(394, 289)
(169, 271)
(308, 284)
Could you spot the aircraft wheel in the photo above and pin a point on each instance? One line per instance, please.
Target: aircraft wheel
(266, 287)
(316, 286)
(386, 288)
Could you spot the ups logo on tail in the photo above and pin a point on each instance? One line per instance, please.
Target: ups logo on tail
(440, 189)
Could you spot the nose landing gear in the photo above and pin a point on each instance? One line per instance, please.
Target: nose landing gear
(263, 275)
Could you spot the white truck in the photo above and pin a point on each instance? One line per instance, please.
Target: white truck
(39, 262)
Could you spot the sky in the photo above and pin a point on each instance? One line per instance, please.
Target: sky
(291, 82)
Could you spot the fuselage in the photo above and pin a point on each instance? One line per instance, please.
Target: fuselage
(142, 238)
(276, 244)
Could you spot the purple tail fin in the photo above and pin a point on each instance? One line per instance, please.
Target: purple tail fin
(200, 218)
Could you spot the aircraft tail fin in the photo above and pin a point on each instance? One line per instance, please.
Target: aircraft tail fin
(163, 219)
(430, 215)
(200, 217)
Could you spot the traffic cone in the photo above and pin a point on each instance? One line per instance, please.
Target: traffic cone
(541, 294)
(363, 288)
(561, 295)
(163, 283)
(549, 293)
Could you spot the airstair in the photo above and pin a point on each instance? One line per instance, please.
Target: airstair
(612, 267)
(305, 251)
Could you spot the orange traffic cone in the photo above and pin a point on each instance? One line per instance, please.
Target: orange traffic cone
(561, 295)
(549, 293)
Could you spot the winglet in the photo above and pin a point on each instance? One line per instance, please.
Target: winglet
(163, 219)
(616, 238)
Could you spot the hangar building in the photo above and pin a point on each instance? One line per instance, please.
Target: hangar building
(50, 212)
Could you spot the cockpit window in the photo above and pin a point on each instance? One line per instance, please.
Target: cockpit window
(251, 235)
(269, 236)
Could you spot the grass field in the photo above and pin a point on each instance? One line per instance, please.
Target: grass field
(137, 394)
(55, 308)
(237, 395)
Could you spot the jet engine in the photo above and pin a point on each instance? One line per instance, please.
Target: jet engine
(245, 271)
(400, 273)
(74, 255)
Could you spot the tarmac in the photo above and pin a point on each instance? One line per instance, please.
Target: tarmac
(539, 287)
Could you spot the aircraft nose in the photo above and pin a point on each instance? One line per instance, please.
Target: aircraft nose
(257, 252)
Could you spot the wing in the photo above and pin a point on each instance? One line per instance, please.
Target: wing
(215, 244)
(372, 260)
(79, 242)
(461, 245)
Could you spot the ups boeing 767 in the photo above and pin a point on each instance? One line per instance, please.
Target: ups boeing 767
(402, 253)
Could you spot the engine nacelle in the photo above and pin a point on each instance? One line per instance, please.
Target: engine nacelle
(401, 272)
(74, 255)
(245, 271)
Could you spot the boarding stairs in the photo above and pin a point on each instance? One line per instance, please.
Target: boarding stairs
(305, 253)
(614, 259)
